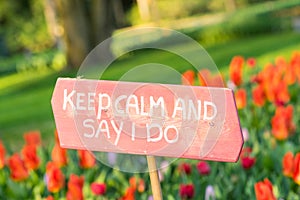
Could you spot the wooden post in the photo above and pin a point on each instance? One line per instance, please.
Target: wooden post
(153, 172)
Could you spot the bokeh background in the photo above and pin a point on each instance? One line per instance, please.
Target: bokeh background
(41, 40)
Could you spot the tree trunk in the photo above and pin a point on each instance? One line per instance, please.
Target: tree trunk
(119, 13)
(86, 24)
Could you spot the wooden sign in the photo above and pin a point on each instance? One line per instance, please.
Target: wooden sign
(147, 119)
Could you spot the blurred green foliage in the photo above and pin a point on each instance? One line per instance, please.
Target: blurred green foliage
(261, 18)
(23, 26)
(33, 63)
(251, 17)
(175, 9)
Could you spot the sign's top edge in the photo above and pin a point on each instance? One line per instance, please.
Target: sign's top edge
(128, 82)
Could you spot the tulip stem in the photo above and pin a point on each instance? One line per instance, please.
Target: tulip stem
(155, 184)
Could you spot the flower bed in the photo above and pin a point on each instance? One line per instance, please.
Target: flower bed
(269, 166)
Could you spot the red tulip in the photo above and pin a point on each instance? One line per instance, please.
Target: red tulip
(132, 182)
(185, 168)
(141, 186)
(186, 191)
(86, 159)
(188, 77)
(2, 155)
(264, 190)
(251, 62)
(31, 159)
(235, 70)
(137, 183)
(56, 136)
(55, 179)
(203, 168)
(59, 155)
(288, 164)
(207, 79)
(290, 76)
(288, 70)
(129, 194)
(295, 64)
(296, 174)
(49, 197)
(281, 93)
(18, 171)
(98, 188)
(259, 96)
(75, 186)
(282, 122)
(33, 138)
(275, 87)
(246, 160)
(241, 98)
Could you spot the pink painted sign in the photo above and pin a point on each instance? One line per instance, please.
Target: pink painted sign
(147, 119)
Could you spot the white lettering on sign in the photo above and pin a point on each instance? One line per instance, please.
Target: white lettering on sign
(206, 104)
(160, 102)
(192, 110)
(67, 99)
(80, 101)
(155, 132)
(104, 103)
(91, 101)
(185, 109)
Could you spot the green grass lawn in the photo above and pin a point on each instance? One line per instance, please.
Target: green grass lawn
(25, 98)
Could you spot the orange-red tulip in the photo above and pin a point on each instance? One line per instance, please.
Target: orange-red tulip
(241, 98)
(75, 186)
(281, 93)
(251, 62)
(59, 155)
(188, 77)
(288, 164)
(264, 190)
(129, 194)
(236, 70)
(31, 159)
(282, 122)
(275, 87)
(207, 79)
(49, 197)
(2, 155)
(32, 138)
(296, 174)
(55, 179)
(258, 95)
(18, 171)
(295, 64)
(137, 184)
(86, 159)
